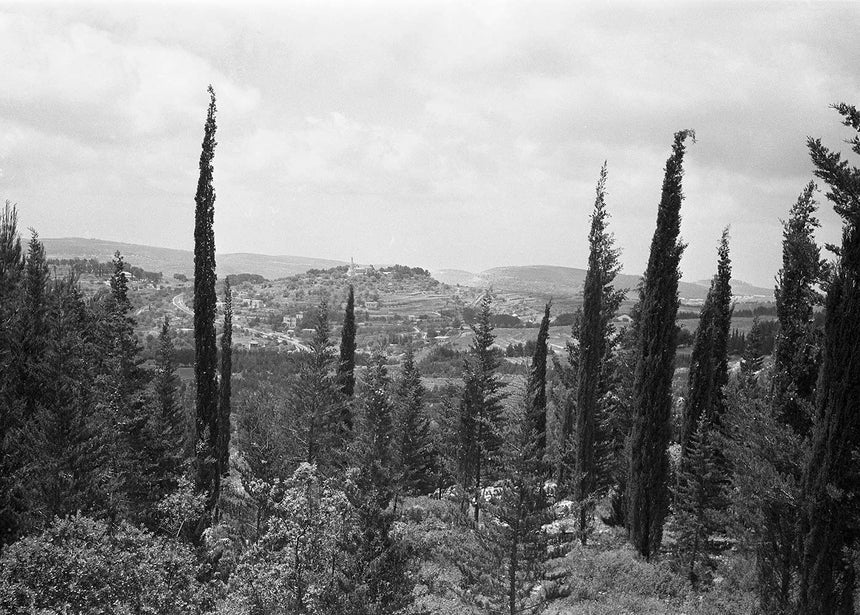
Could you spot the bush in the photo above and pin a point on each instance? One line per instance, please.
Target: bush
(78, 565)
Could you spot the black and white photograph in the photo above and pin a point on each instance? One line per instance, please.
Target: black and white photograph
(429, 307)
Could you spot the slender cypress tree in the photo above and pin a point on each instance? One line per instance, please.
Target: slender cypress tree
(752, 358)
(225, 382)
(647, 488)
(600, 301)
(205, 346)
(536, 388)
(346, 366)
(709, 366)
(830, 517)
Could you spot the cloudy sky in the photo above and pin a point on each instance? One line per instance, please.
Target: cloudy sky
(440, 134)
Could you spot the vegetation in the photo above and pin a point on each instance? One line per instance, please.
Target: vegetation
(731, 487)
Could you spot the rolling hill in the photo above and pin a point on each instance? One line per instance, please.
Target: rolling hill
(169, 261)
(568, 281)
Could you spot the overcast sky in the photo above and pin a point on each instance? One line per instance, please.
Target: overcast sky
(438, 134)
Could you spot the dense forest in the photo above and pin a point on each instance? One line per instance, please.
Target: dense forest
(592, 481)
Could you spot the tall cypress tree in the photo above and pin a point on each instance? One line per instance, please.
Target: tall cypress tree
(797, 352)
(224, 391)
(600, 301)
(709, 366)
(797, 357)
(346, 366)
(830, 517)
(536, 388)
(205, 346)
(647, 489)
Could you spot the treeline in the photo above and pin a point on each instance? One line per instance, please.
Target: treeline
(93, 266)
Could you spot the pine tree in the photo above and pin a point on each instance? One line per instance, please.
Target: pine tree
(205, 347)
(600, 301)
(373, 575)
(709, 369)
(503, 570)
(480, 407)
(700, 500)
(224, 391)
(647, 488)
(417, 458)
(169, 421)
(536, 387)
(830, 516)
(11, 261)
(315, 403)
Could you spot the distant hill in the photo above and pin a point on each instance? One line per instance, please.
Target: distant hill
(169, 261)
(568, 282)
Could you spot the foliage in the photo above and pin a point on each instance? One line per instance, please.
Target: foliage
(600, 303)
(224, 386)
(831, 480)
(80, 565)
(206, 353)
(647, 487)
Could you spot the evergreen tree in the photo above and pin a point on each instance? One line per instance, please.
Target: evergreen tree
(224, 391)
(205, 347)
(797, 353)
(11, 257)
(600, 301)
(417, 458)
(373, 575)
(700, 500)
(830, 517)
(566, 408)
(168, 424)
(709, 369)
(346, 366)
(536, 387)
(480, 407)
(315, 403)
(752, 358)
(503, 571)
(797, 356)
(647, 488)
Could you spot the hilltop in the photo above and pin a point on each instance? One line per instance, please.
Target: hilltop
(169, 261)
(568, 281)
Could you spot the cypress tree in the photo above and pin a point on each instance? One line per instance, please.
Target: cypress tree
(647, 489)
(797, 356)
(600, 301)
(346, 366)
(797, 352)
(752, 358)
(205, 347)
(224, 391)
(536, 388)
(709, 368)
(830, 516)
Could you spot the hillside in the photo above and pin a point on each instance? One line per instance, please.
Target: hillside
(567, 281)
(169, 261)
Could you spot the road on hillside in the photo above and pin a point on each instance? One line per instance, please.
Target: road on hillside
(179, 304)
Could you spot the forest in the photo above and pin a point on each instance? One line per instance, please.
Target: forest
(592, 481)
